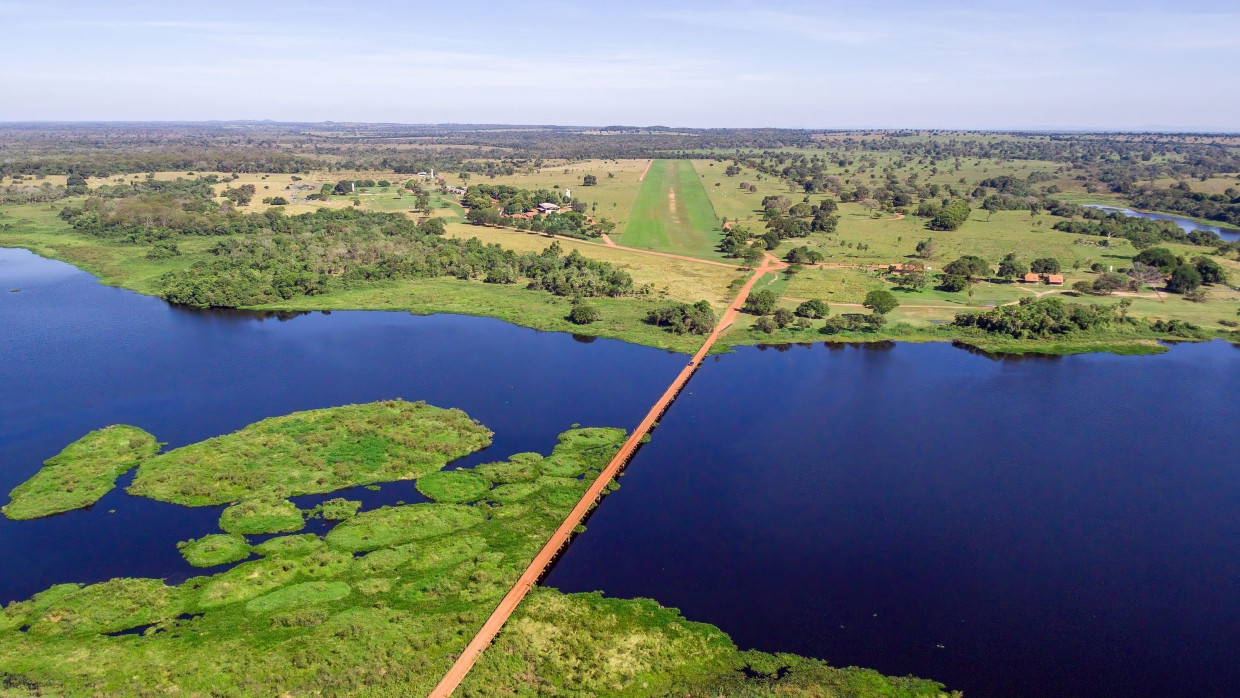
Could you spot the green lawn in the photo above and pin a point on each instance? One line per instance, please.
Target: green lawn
(673, 214)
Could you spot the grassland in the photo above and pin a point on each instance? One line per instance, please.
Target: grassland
(860, 241)
(673, 279)
(673, 214)
(312, 452)
(584, 644)
(612, 197)
(383, 603)
(82, 473)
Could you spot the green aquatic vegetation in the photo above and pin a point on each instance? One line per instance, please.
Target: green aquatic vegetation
(513, 492)
(82, 473)
(258, 516)
(215, 549)
(311, 617)
(313, 452)
(453, 486)
(111, 606)
(290, 546)
(389, 526)
(584, 644)
(337, 509)
(302, 594)
(522, 467)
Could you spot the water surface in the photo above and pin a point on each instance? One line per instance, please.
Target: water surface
(1036, 527)
(78, 356)
(1188, 225)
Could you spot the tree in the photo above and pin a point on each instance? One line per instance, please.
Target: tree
(433, 226)
(1045, 265)
(578, 206)
(783, 317)
(761, 303)
(953, 283)
(765, 324)
(912, 278)
(813, 308)
(969, 266)
(870, 204)
(1146, 275)
(881, 302)
(951, 216)
(589, 180)
(927, 248)
(1010, 267)
(990, 205)
(1160, 257)
(583, 313)
(753, 256)
(1210, 271)
(1110, 282)
(1184, 279)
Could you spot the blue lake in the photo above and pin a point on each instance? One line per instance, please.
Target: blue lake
(1019, 527)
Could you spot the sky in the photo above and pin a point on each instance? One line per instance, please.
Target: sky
(1042, 64)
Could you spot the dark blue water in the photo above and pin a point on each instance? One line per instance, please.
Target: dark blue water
(1186, 224)
(1011, 528)
(1037, 527)
(77, 356)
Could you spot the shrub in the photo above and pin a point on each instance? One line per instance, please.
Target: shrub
(583, 314)
(813, 308)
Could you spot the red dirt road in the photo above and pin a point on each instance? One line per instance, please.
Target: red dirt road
(563, 534)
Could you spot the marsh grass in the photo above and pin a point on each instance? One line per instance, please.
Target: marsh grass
(82, 473)
(312, 452)
(215, 549)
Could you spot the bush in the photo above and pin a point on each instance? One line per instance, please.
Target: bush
(765, 324)
(1110, 282)
(954, 283)
(813, 308)
(583, 314)
(682, 318)
(783, 317)
(1045, 265)
(761, 303)
(853, 322)
(951, 216)
(1184, 279)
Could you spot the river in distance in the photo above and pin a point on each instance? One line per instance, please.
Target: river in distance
(1188, 225)
(1013, 527)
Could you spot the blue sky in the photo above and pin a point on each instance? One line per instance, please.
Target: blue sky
(1049, 64)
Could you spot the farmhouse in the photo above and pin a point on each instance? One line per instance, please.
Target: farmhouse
(548, 207)
(1054, 279)
(459, 191)
(1032, 278)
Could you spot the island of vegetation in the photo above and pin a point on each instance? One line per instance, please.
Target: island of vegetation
(82, 473)
(384, 601)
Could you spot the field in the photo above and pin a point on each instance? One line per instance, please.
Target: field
(675, 279)
(612, 197)
(673, 214)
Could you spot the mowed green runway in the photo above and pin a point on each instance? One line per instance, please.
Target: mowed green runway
(673, 214)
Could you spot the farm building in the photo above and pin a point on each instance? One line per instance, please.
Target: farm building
(1032, 278)
(548, 207)
(1054, 279)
